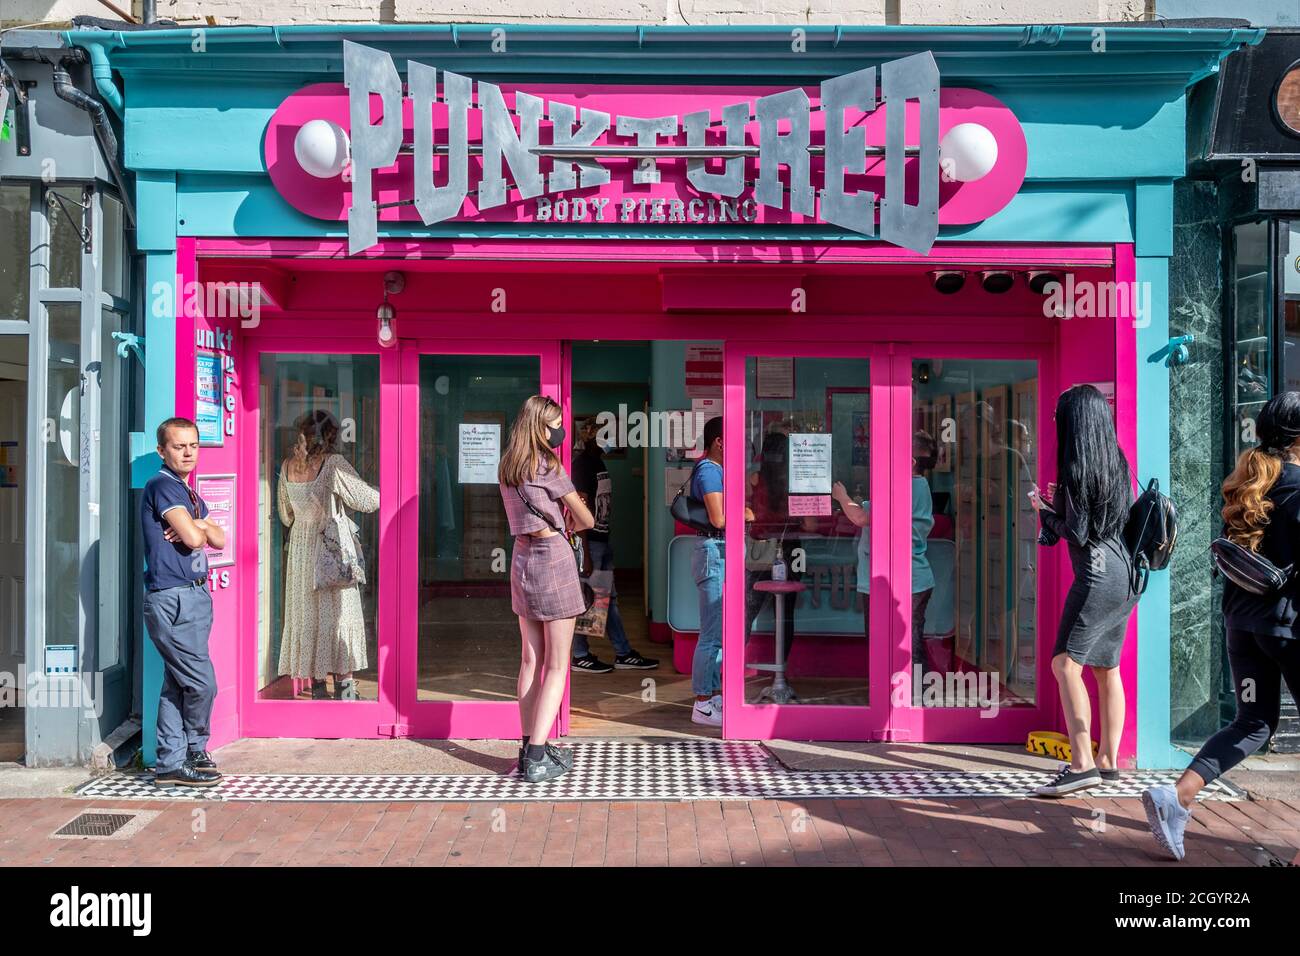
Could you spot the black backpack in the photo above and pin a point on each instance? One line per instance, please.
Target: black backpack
(1150, 533)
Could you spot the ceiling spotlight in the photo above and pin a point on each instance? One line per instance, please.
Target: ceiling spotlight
(948, 281)
(997, 281)
(1039, 281)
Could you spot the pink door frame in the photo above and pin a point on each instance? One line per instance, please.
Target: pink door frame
(877, 333)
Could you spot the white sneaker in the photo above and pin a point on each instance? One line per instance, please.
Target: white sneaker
(707, 712)
(1167, 818)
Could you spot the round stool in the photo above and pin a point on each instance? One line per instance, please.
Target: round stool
(779, 692)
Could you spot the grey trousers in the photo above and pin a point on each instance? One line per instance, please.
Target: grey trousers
(179, 621)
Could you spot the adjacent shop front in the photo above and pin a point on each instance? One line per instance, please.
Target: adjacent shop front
(879, 259)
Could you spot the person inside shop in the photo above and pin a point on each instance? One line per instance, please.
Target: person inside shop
(591, 479)
(324, 626)
(1261, 512)
(924, 455)
(707, 561)
(1088, 505)
(770, 538)
(178, 608)
(545, 513)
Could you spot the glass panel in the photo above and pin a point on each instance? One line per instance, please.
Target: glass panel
(319, 445)
(808, 438)
(65, 235)
(114, 241)
(113, 512)
(1288, 234)
(64, 462)
(15, 251)
(1250, 291)
(974, 536)
(13, 530)
(468, 635)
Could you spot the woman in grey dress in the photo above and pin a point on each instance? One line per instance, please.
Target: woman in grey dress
(1088, 506)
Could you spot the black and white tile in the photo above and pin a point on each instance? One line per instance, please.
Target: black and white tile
(628, 770)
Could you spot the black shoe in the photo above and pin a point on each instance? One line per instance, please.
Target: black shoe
(562, 756)
(202, 761)
(632, 661)
(547, 768)
(1110, 776)
(590, 664)
(184, 776)
(1068, 781)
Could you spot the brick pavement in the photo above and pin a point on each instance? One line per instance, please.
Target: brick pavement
(875, 832)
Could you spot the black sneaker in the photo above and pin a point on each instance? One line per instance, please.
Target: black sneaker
(547, 768)
(1068, 781)
(632, 661)
(184, 776)
(591, 664)
(1110, 776)
(202, 761)
(561, 755)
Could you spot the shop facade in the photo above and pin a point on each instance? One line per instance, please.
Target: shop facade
(68, 637)
(1237, 296)
(876, 233)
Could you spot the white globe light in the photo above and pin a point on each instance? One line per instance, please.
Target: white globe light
(967, 152)
(322, 148)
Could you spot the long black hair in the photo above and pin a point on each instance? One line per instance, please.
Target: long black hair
(1089, 463)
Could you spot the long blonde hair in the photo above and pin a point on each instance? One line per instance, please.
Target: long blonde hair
(528, 446)
(1246, 505)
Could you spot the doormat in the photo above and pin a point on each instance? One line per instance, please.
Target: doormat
(628, 770)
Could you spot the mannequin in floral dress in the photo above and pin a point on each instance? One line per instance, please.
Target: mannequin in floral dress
(324, 630)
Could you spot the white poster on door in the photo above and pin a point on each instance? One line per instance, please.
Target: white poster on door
(810, 464)
(480, 453)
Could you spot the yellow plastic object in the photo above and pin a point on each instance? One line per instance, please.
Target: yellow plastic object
(1048, 743)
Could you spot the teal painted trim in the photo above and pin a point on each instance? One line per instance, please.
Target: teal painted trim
(1154, 204)
(155, 213)
(1073, 133)
(1154, 749)
(249, 206)
(159, 404)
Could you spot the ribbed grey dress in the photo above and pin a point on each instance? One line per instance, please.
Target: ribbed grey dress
(1097, 607)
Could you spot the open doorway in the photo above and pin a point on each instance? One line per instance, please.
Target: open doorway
(13, 522)
(630, 677)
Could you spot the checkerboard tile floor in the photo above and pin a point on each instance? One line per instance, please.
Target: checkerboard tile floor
(618, 770)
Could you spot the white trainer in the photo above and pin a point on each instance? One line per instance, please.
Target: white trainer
(707, 712)
(1167, 819)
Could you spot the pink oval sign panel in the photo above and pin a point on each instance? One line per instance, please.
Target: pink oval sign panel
(592, 155)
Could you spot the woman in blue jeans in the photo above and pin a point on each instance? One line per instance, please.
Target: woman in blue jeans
(707, 567)
(1261, 511)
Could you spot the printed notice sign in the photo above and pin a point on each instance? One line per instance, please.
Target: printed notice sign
(208, 398)
(218, 493)
(480, 453)
(810, 464)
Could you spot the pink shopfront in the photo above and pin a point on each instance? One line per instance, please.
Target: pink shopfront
(805, 261)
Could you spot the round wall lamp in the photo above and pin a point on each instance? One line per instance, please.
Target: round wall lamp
(394, 282)
(1039, 281)
(322, 148)
(948, 281)
(997, 281)
(967, 152)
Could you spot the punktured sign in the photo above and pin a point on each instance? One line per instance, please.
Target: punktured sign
(881, 148)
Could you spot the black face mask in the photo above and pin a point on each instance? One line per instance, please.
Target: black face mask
(555, 437)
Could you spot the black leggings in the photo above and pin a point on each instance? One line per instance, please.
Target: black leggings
(1259, 664)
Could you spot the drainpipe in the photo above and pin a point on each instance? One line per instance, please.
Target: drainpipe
(103, 74)
(149, 11)
(65, 90)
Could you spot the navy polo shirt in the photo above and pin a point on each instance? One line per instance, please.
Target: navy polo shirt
(168, 564)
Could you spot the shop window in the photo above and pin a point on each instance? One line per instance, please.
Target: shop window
(113, 514)
(974, 534)
(66, 456)
(1289, 237)
(114, 273)
(319, 458)
(15, 251)
(67, 218)
(468, 634)
(808, 440)
(1252, 367)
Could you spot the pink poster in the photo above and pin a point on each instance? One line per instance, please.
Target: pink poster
(218, 493)
(801, 505)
